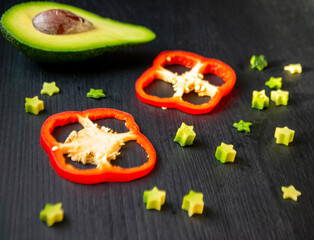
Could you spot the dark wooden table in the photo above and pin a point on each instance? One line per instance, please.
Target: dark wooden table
(243, 200)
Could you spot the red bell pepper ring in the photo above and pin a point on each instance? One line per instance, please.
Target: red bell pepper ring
(104, 172)
(187, 82)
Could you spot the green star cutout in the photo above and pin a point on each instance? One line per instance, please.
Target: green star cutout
(284, 135)
(34, 105)
(96, 93)
(185, 135)
(290, 192)
(193, 203)
(293, 68)
(52, 213)
(225, 153)
(49, 88)
(242, 126)
(274, 83)
(260, 100)
(258, 62)
(154, 198)
(279, 97)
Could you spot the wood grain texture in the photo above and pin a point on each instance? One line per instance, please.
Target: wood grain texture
(243, 200)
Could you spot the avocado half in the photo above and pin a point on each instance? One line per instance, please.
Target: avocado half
(106, 34)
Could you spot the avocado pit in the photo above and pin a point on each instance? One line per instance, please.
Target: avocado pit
(60, 22)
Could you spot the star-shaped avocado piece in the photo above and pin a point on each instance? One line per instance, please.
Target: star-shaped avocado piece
(284, 135)
(225, 153)
(274, 83)
(293, 68)
(52, 213)
(258, 62)
(154, 198)
(34, 105)
(185, 135)
(280, 97)
(96, 93)
(242, 126)
(290, 192)
(260, 100)
(49, 88)
(193, 203)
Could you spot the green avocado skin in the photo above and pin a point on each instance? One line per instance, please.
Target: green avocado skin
(41, 55)
(58, 57)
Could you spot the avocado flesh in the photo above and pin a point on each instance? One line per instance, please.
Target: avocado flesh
(106, 35)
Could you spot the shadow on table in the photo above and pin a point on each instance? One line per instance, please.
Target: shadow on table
(106, 62)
